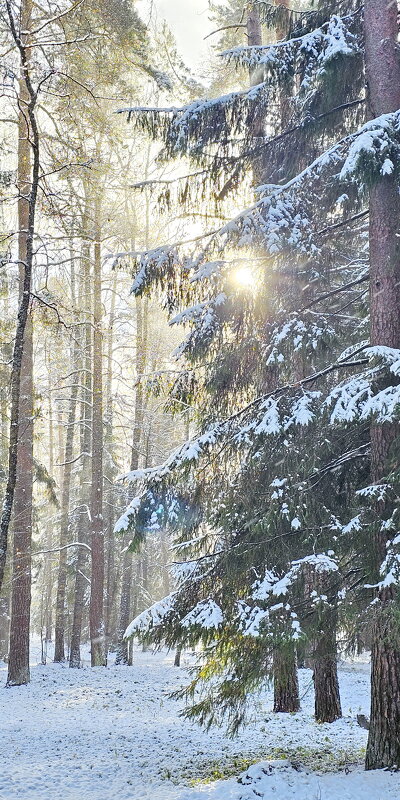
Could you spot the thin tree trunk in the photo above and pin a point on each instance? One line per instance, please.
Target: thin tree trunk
(59, 648)
(81, 581)
(4, 626)
(110, 472)
(48, 561)
(286, 684)
(97, 630)
(383, 76)
(28, 179)
(122, 656)
(20, 494)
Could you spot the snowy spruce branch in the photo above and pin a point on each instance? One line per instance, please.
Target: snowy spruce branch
(307, 55)
(285, 217)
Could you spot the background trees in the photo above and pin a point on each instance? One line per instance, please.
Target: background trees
(86, 364)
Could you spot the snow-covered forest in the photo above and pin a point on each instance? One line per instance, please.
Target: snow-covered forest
(200, 400)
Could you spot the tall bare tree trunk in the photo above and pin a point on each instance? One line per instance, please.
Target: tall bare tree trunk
(97, 630)
(81, 580)
(28, 181)
(48, 561)
(59, 649)
(127, 567)
(111, 497)
(18, 663)
(383, 76)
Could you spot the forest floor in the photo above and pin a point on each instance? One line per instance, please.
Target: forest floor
(100, 734)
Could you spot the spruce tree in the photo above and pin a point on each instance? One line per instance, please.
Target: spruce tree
(276, 517)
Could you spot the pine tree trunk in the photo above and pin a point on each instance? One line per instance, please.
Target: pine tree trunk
(286, 684)
(127, 569)
(49, 544)
(97, 629)
(111, 498)
(21, 429)
(59, 647)
(81, 582)
(326, 684)
(125, 606)
(79, 606)
(4, 626)
(383, 77)
(254, 31)
(18, 662)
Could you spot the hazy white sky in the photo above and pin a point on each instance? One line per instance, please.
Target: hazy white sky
(188, 19)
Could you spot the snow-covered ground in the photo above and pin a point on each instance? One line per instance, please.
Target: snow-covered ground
(101, 734)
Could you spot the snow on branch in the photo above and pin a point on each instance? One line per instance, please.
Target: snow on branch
(271, 585)
(189, 129)
(206, 614)
(307, 55)
(360, 396)
(151, 617)
(285, 218)
(126, 520)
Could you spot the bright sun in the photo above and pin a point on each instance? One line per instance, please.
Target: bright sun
(244, 277)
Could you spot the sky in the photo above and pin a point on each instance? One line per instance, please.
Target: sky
(188, 20)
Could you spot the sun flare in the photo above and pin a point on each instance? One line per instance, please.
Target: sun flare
(244, 277)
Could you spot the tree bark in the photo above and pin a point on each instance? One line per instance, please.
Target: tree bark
(48, 561)
(111, 498)
(326, 684)
(59, 648)
(383, 78)
(4, 626)
(122, 656)
(21, 447)
(81, 581)
(28, 180)
(286, 684)
(96, 614)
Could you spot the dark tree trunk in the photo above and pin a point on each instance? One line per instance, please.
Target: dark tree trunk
(383, 77)
(326, 684)
(18, 661)
(28, 180)
(21, 497)
(97, 629)
(286, 684)
(177, 659)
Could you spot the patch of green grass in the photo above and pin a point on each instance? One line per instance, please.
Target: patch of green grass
(218, 770)
(314, 759)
